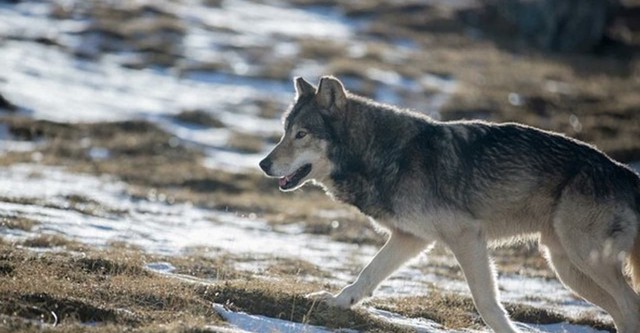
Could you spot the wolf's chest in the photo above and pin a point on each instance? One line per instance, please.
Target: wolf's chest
(426, 224)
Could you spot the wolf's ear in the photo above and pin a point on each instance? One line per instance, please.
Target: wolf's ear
(331, 94)
(303, 88)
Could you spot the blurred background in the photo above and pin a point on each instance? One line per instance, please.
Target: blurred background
(141, 123)
(569, 65)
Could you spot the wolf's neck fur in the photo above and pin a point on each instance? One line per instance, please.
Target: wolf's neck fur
(369, 159)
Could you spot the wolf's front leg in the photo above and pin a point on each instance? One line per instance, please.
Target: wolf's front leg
(470, 249)
(399, 249)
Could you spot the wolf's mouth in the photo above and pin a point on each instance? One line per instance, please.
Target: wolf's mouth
(293, 179)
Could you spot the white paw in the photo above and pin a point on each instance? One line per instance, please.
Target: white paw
(321, 296)
(343, 300)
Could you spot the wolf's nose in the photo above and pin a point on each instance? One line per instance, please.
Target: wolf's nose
(265, 165)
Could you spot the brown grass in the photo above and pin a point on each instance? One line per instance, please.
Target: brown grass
(457, 311)
(111, 290)
(591, 97)
(199, 117)
(285, 300)
(17, 222)
(295, 268)
(53, 240)
(145, 157)
(108, 288)
(245, 143)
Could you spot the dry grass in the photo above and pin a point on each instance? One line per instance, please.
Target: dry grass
(52, 241)
(153, 164)
(153, 301)
(246, 143)
(295, 268)
(285, 300)
(17, 222)
(74, 202)
(109, 289)
(456, 311)
(199, 117)
(591, 97)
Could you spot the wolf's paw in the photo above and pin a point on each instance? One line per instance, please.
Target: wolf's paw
(321, 296)
(330, 299)
(341, 301)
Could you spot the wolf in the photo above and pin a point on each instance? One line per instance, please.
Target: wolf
(467, 185)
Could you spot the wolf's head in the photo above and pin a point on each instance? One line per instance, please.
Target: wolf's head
(302, 153)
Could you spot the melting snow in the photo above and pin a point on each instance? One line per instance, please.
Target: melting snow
(170, 229)
(48, 83)
(255, 323)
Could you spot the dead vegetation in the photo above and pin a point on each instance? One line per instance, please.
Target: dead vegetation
(592, 97)
(456, 311)
(110, 289)
(156, 164)
(153, 302)
(588, 96)
(17, 222)
(105, 289)
(199, 117)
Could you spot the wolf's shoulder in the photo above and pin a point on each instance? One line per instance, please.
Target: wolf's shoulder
(510, 132)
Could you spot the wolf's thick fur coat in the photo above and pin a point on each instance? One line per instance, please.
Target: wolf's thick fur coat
(467, 184)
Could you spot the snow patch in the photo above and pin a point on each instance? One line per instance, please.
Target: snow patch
(159, 227)
(256, 323)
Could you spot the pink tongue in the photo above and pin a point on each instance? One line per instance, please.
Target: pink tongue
(283, 181)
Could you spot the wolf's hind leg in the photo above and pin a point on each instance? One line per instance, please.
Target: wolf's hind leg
(576, 280)
(595, 240)
(470, 249)
(608, 276)
(400, 247)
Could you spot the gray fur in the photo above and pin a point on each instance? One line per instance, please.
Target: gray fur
(470, 181)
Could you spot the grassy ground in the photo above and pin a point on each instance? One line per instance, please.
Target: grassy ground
(110, 288)
(49, 283)
(68, 287)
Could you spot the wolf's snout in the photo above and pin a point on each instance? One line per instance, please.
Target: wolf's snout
(265, 165)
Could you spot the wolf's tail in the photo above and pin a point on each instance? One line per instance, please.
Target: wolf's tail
(634, 256)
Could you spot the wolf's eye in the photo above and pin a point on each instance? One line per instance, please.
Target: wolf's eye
(301, 134)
